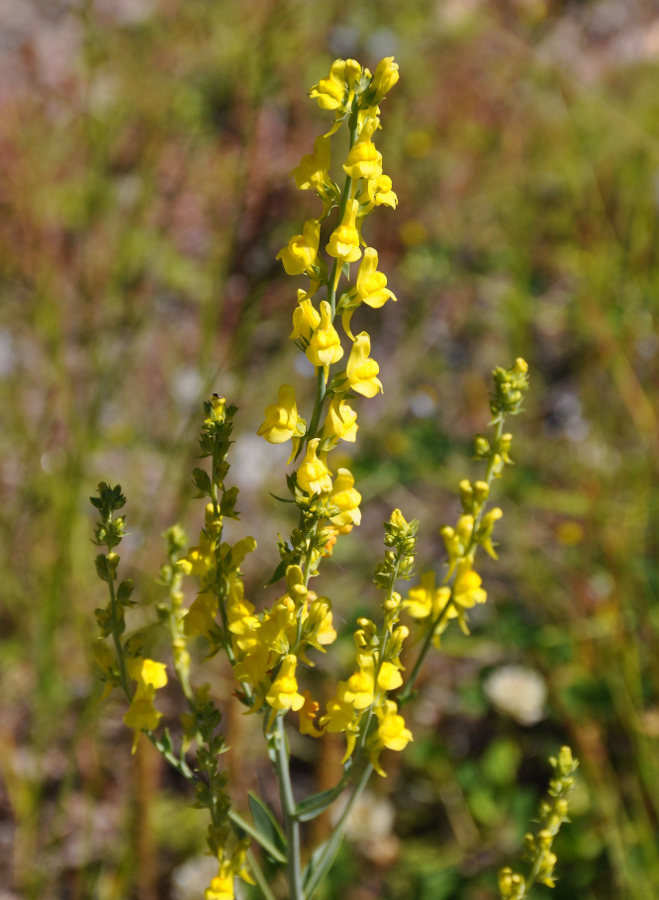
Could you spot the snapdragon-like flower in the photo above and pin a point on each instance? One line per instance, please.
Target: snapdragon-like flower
(362, 370)
(389, 677)
(344, 240)
(300, 254)
(341, 420)
(313, 172)
(386, 75)
(319, 630)
(308, 712)
(313, 476)
(377, 192)
(467, 590)
(426, 599)
(346, 499)
(336, 91)
(364, 159)
(325, 344)
(142, 714)
(281, 418)
(283, 693)
(371, 285)
(360, 687)
(221, 886)
(391, 734)
(306, 319)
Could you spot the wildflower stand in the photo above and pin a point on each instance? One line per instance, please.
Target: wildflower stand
(268, 648)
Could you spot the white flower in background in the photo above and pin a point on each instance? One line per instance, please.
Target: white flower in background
(370, 826)
(518, 692)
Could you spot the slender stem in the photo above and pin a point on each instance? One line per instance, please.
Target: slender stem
(116, 639)
(405, 694)
(318, 405)
(324, 863)
(292, 826)
(257, 871)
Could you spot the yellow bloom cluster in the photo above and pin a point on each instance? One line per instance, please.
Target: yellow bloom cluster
(269, 645)
(353, 94)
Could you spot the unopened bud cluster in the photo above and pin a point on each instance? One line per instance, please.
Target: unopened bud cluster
(552, 813)
(461, 588)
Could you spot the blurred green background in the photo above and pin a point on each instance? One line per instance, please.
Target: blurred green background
(147, 147)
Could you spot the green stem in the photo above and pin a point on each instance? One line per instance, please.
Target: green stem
(259, 876)
(292, 826)
(318, 405)
(116, 639)
(322, 867)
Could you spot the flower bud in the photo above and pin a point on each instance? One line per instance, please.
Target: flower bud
(384, 78)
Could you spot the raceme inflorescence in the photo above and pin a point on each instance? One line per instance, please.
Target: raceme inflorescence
(271, 647)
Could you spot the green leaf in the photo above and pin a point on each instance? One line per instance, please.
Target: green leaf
(103, 621)
(309, 875)
(228, 503)
(201, 480)
(279, 573)
(314, 805)
(265, 822)
(272, 851)
(124, 591)
(101, 564)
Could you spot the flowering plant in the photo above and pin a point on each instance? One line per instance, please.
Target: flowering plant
(270, 647)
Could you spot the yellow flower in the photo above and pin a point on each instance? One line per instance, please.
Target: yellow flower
(344, 240)
(341, 715)
(142, 714)
(330, 92)
(200, 559)
(240, 612)
(467, 590)
(361, 369)
(281, 418)
(341, 420)
(426, 600)
(313, 476)
(364, 159)
(200, 618)
(346, 499)
(325, 345)
(372, 285)
(306, 319)
(319, 629)
(300, 254)
(313, 171)
(147, 672)
(360, 687)
(283, 693)
(378, 193)
(221, 887)
(385, 77)
(457, 540)
(308, 714)
(391, 733)
(389, 677)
